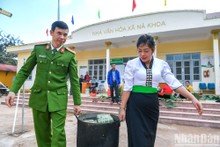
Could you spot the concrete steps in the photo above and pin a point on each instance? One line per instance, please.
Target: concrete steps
(88, 105)
(183, 114)
(190, 122)
(190, 115)
(192, 110)
(205, 104)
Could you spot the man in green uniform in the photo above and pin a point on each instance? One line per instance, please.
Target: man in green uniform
(49, 94)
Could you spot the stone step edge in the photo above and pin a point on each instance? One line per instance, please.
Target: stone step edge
(99, 102)
(83, 100)
(113, 106)
(184, 102)
(116, 110)
(96, 106)
(206, 109)
(83, 105)
(190, 119)
(160, 117)
(94, 110)
(100, 106)
(190, 102)
(188, 113)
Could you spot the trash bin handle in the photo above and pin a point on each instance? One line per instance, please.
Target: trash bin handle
(76, 117)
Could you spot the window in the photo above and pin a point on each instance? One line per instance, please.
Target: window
(185, 66)
(97, 68)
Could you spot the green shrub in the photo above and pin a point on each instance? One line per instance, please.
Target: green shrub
(169, 102)
(209, 97)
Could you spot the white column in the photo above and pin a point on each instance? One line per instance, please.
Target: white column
(156, 42)
(108, 46)
(216, 60)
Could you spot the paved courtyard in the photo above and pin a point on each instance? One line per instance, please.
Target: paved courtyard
(168, 135)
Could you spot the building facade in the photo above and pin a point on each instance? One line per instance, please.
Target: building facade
(7, 73)
(187, 39)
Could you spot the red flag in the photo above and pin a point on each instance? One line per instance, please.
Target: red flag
(133, 5)
(47, 32)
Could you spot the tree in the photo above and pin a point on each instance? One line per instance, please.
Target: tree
(7, 40)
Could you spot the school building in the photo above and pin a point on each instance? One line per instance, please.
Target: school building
(187, 39)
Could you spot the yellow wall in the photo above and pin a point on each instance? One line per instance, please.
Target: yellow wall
(7, 77)
(124, 52)
(205, 47)
(21, 57)
(84, 56)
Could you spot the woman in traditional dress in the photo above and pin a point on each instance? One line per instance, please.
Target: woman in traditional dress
(140, 105)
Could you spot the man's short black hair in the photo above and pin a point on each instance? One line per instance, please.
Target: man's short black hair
(59, 24)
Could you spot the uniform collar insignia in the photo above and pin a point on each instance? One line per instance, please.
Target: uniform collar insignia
(47, 46)
(62, 50)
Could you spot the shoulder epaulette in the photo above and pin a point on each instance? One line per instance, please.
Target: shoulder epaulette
(41, 43)
(70, 50)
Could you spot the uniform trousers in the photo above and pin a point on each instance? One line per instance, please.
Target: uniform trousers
(50, 128)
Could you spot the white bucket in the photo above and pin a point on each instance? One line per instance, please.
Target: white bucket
(87, 90)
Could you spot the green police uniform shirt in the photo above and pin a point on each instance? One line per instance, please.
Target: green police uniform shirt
(49, 90)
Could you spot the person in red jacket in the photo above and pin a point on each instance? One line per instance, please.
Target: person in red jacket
(166, 92)
(87, 77)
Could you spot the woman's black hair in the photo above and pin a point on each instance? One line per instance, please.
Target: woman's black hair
(146, 39)
(59, 24)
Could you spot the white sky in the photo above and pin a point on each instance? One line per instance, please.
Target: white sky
(30, 20)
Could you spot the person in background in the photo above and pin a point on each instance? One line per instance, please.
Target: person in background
(81, 79)
(94, 85)
(94, 82)
(87, 77)
(140, 104)
(114, 81)
(165, 92)
(189, 87)
(49, 93)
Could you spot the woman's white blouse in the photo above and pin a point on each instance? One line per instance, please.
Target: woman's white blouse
(135, 74)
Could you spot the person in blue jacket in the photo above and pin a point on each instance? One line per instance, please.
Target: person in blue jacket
(114, 81)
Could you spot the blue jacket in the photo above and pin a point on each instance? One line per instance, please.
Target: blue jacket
(110, 77)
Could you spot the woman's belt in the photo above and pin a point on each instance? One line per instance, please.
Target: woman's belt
(143, 89)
